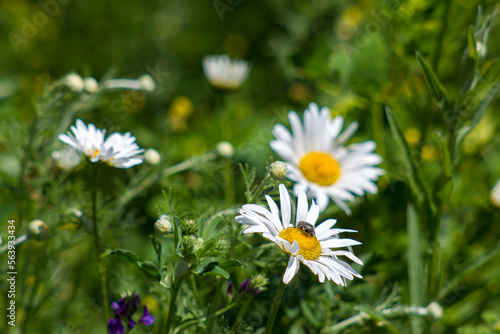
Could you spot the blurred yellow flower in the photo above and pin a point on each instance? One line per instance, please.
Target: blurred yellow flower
(151, 303)
(178, 113)
(413, 136)
(352, 16)
(429, 153)
(181, 107)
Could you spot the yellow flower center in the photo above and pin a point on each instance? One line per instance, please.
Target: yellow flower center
(320, 168)
(93, 155)
(310, 249)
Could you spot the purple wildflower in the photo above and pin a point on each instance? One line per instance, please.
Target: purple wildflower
(147, 319)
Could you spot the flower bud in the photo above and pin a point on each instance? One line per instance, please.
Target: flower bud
(189, 227)
(225, 149)
(38, 230)
(230, 289)
(90, 84)
(74, 82)
(435, 310)
(152, 156)
(147, 83)
(163, 225)
(278, 170)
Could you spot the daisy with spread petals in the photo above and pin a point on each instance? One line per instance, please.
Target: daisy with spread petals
(224, 73)
(87, 139)
(117, 150)
(314, 246)
(320, 163)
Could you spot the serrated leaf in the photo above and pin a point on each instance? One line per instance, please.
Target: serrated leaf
(415, 260)
(230, 263)
(433, 83)
(151, 270)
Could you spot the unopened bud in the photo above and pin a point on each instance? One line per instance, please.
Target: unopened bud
(147, 83)
(74, 82)
(278, 170)
(152, 156)
(38, 230)
(163, 225)
(225, 149)
(435, 310)
(90, 84)
(189, 227)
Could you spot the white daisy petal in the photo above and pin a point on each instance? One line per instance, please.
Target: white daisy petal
(301, 207)
(285, 206)
(291, 269)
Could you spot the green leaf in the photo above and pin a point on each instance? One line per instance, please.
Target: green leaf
(230, 264)
(414, 176)
(435, 87)
(415, 260)
(148, 267)
(491, 94)
(472, 44)
(151, 270)
(213, 268)
(126, 255)
(209, 245)
(157, 247)
(218, 271)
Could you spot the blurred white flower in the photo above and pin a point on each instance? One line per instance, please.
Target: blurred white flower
(224, 73)
(319, 162)
(87, 139)
(66, 158)
(74, 82)
(495, 194)
(118, 150)
(152, 156)
(312, 245)
(225, 149)
(90, 84)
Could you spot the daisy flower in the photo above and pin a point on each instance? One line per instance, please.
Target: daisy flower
(87, 139)
(117, 150)
(304, 242)
(320, 163)
(224, 73)
(121, 151)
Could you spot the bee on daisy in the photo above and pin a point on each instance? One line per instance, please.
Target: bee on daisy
(319, 161)
(315, 245)
(118, 150)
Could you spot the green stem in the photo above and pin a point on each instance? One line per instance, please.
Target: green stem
(259, 188)
(276, 305)
(98, 249)
(213, 308)
(440, 38)
(241, 313)
(174, 291)
(229, 181)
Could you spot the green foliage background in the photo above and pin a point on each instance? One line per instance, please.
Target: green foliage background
(356, 57)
